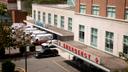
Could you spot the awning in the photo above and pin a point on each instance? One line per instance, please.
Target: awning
(52, 29)
(106, 61)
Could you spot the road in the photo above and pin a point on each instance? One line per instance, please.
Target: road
(52, 64)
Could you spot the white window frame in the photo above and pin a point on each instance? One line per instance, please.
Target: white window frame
(82, 9)
(125, 42)
(39, 15)
(69, 23)
(44, 17)
(94, 36)
(111, 11)
(81, 30)
(95, 10)
(34, 14)
(49, 18)
(62, 21)
(109, 38)
(126, 14)
(55, 19)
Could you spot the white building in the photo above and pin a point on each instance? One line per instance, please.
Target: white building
(97, 40)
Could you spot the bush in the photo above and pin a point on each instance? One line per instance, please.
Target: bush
(8, 66)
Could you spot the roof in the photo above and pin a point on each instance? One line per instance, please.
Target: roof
(59, 6)
(53, 29)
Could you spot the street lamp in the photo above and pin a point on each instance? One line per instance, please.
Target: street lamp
(27, 47)
(27, 44)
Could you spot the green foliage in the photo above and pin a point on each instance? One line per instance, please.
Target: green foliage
(2, 8)
(5, 37)
(8, 66)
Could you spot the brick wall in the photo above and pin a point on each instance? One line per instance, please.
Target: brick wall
(119, 4)
(77, 7)
(18, 16)
(120, 9)
(126, 3)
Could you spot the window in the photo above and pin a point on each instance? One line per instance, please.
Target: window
(62, 22)
(111, 12)
(55, 20)
(43, 17)
(34, 14)
(94, 37)
(82, 9)
(81, 33)
(95, 10)
(125, 45)
(38, 15)
(70, 24)
(49, 18)
(126, 14)
(109, 41)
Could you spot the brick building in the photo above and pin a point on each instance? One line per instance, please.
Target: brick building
(95, 31)
(16, 9)
(106, 8)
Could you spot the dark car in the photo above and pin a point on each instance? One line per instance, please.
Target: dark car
(46, 53)
(49, 46)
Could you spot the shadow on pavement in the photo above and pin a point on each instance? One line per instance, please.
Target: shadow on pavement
(83, 67)
(71, 63)
(14, 56)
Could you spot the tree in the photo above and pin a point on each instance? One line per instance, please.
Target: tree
(5, 30)
(2, 9)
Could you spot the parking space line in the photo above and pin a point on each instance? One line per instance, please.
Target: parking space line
(61, 66)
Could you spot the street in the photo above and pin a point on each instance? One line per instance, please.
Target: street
(51, 64)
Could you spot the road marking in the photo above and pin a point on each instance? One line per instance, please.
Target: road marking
(61, 66)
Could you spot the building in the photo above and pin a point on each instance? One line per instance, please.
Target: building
(94, 30)
(16, 9)
(14, 4)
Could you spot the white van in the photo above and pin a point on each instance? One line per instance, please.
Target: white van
(44, 37)
(41, 38)
(37, 32)
(29, 30)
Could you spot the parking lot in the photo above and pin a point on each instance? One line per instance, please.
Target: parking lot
(50, 64)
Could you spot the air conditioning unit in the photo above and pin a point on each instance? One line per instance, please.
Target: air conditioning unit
(123, 56)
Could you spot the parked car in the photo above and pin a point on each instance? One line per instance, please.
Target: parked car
(47, 45)
(46, 53)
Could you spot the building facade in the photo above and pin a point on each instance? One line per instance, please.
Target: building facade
(16, 9)
(14, 4)
(99, 27)
(105, 24)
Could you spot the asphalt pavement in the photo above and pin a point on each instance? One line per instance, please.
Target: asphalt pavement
(50, 64)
